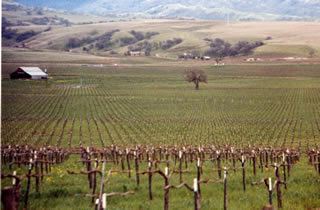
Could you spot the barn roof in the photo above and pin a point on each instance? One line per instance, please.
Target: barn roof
(33, 71)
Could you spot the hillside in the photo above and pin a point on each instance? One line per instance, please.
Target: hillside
(19, 14)
(252, 10)
(50, 29)
(284, 38)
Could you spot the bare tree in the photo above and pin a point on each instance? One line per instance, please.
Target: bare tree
(196, 76)
(311, 53)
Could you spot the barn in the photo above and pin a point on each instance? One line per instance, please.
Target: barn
(28, 73)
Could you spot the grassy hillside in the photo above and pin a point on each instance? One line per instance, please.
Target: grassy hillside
(283, 38)
(53, 29)
(20, 14)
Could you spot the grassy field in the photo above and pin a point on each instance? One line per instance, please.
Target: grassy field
(260, 105)
(240, 104)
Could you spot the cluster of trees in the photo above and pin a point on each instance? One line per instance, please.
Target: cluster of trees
(40, 21)
(6, 23)
(12, 34)
(76, 42)
(147, 47)
(170, 43)
(102, 42)
(26, 35)
(141, 36)
(220, 48)
(124, 41)
(144, 46)
(9, 33)
(50, 20)
(137, 36)
(148, 35)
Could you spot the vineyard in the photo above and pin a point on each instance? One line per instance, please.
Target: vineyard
(142, 133)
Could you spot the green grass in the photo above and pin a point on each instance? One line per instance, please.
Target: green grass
(298, 50)
(58, 190)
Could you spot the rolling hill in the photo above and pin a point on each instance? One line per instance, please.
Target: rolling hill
(283, 10)
(166, 38)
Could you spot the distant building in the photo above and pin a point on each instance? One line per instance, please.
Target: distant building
(186, 56)
(253, 59)
(28, 73)
(136, 53)
(206, 58)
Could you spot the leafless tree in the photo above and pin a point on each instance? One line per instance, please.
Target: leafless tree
(311, 53)
(196, 76)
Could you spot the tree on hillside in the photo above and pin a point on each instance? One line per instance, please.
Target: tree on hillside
(196, 76)
(220, 48)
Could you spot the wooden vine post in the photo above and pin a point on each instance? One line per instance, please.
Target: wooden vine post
(278, 182)
(196, 194)
(36, 171)
(243, 172)
(28, 184)
(166, 191)
(268, 184)
(128, 162)
(225, 200)
(254, 162)
(102, 184)
(261, 159)
(95, 178)
(121, 160)
(149, 172)
(150, 180)
(219, 162)
(198, 175)
(284, 169)
(180, 166)
(233, 159)
(136, 159)
(270, 191)
(288, 162)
